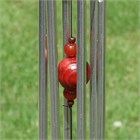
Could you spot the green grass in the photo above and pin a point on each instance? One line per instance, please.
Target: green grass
(19, 69)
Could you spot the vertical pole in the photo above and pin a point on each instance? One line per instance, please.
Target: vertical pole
(101, 72)
(81, 82)
(53, 73)
(66, 14)
(93, 70)
(42, 74)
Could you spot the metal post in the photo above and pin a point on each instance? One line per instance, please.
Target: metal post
(42, 74)
(81, 65)
(93, 64)
(66, 14)
(101, 72)
(53, 73)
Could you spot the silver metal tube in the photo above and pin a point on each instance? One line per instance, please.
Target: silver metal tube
(93, 70)
(53, 73)
(42, 74)
(66, 14)
(81, 66)
(101, 72)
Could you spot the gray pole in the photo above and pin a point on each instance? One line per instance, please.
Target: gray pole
(93, 70)
(53, 73)
(42, 74)
(81, 82)
(101, 72)
(66, 14)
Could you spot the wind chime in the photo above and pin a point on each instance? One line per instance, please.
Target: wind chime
(67, 73)
(71, 71)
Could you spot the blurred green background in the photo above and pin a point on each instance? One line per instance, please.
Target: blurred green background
(19, 69)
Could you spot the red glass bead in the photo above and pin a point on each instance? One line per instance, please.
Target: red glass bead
(72, 40)
(69, 94)
(70, 103)
(70, 50)
(87, 72)
(67, 73)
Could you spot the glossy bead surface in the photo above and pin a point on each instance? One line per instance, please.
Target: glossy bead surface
(69, 94)
(67, 73)
(72, 40)
(70, 49)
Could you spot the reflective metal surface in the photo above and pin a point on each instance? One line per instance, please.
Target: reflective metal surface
(93, 66)
(81, 66)
(42, 74)
(101, 72)
(53, 74)
(66, 14)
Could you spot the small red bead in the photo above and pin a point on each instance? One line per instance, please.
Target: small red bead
(72, 40)
(69, 94)
(70, 103)
(87, 72)
(70, 49)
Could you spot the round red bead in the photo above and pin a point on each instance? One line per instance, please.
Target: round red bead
(67, 73)
(70, 49)
(70, 103)
(72, 40)
(69, 94)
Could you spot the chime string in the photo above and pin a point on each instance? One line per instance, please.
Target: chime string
(70, 123)
(71, 18)
(70, 116)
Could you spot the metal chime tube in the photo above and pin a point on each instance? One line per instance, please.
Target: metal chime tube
(42, 74)
(66, 14)
(93, 66)
(101, 72)
(81, 65)
(53, 74)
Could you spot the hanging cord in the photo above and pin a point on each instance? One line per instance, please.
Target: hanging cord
(70, 123)
(71, 18)
(70, 108)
